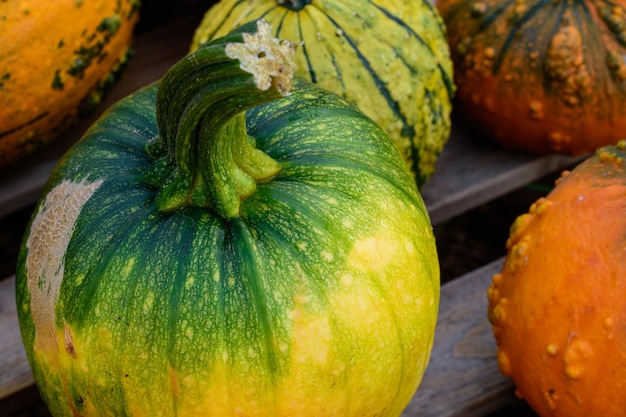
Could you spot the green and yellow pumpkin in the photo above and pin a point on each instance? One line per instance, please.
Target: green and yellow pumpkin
(230, 242)
(390, 57)
(540, 76)
(57, 59)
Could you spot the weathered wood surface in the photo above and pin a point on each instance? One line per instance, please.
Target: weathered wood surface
(15, 373)
(462, 379)
(472, 171)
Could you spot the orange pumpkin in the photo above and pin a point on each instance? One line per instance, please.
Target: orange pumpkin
(58, 57)
(540, 76)
(558, 307)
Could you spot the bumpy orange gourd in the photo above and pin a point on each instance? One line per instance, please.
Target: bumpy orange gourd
(57, 59)
(540, 76)
(558, 307)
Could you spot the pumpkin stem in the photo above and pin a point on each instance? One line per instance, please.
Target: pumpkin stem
(204, 156)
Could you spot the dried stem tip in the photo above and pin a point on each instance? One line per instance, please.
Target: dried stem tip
(266, 58)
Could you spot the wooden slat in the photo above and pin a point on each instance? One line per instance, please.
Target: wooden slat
(472, 171)
(462, 379)
(15, 373)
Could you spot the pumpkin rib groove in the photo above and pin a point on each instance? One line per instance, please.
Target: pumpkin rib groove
(302, 261)
(228, 14)
(491, 17)
(305, 51)
(380, 288)
(407, 129)
(163, 234)
(24, 125)
(449, 83)
(233, 253)
(513, 32)
(355, 164)
(251, 273)
(183, 256)
(329, 49)
(107, 253)
(279, 26)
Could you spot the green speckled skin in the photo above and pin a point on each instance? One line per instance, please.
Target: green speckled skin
(319, 299)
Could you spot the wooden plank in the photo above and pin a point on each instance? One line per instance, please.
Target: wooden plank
(15, 373)
(462, 379)
(473, 170)
(156, 51)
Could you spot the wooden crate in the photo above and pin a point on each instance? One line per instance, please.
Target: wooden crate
(462, 378)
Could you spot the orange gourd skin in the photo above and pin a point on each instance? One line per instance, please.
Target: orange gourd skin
(57, 59)
(538, 76)
(558, 307)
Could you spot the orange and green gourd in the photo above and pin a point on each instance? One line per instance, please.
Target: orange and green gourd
(390, 57)
(540, 76)
(57, 59)
(230, 241)
(559, 303)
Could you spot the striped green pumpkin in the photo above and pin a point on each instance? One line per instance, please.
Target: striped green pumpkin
(211, 248)
(390, 57)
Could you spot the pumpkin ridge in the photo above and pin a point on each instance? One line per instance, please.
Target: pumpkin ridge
(304, 48)
(329, 49)
(513, 33)
(282, 120)
(407, 129)
(280, 193)
(281, 196)
(446, 78)
(228, 14)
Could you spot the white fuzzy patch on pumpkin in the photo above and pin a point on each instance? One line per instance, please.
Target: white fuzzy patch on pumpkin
(266, 58)
(49, 237)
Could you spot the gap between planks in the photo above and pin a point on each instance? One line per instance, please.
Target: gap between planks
(462, 379)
